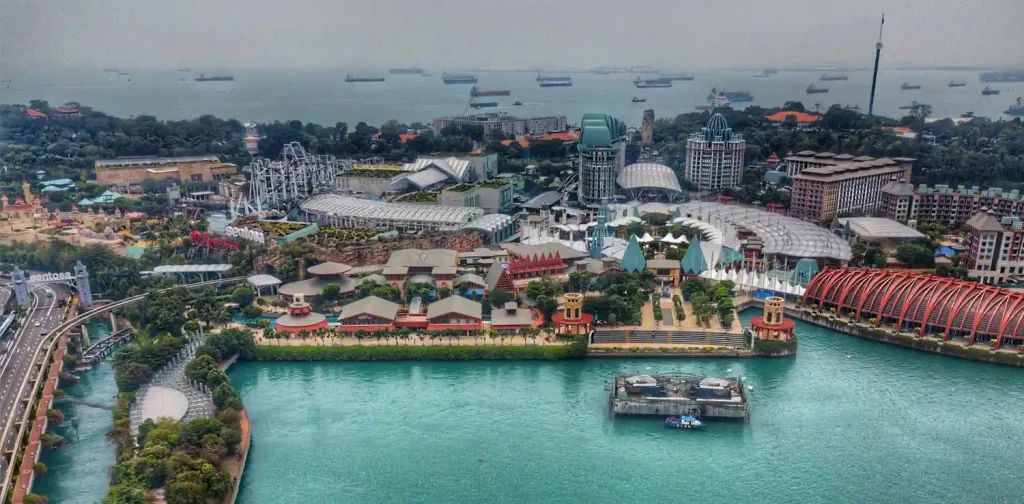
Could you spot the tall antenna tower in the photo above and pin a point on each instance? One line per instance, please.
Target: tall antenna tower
(874, 76)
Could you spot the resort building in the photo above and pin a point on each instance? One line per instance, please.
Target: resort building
(135, 170)
(491, 196)
(504, 123)
(454, 312)
(940, 306)
(348, 212)
(803, 160)
(368, 314)
(368, 178)
(995, 248)
(714, 156)
(602, 156)
(499, 278)
(471, 284)
(321, 276)
(942, 203)
(436, 267)
(649, 182)
(822, 193)
(880, 231)
(513, 317)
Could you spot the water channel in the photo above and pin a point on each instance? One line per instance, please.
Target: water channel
(846, 420)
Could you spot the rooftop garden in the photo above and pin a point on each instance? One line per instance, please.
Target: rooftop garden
(460, 187)
(281, 229)
(331, 236)
(418, 197)
(494, 184)
(368, 173)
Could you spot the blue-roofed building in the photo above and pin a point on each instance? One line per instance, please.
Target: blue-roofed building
(633, 259)
(104, 199)
(602, 157)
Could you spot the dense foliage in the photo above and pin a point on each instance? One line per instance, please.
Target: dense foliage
(435, 353)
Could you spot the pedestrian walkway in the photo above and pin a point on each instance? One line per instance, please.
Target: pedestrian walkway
(200, 400)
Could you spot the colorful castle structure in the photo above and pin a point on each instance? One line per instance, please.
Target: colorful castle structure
(571, 320)
(773, 325)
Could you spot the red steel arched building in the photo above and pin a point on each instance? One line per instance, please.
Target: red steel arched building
(940, 304)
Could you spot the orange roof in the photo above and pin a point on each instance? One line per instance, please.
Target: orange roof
(564, 136)
(522, 143)
(405, 137)
(801, 117)
(900, 129)
(34, 113)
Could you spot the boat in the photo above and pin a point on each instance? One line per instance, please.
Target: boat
(349, 78)
(736, 96)
(955, 83)
(125, 74)
(214, 78)
(716, 100)
(517, 103)
(828, 77)
(989, 91)
(638, 100)
(684, 422)
(185, 69)
(761, 76)
(602, 71)
(967, 114)
(675, 77)
(812, 89)
(913, 105)
(657, 82)
(406, 71)
(905, 86)
(1003, 76)
(561, 82)
(770, 71)
(487, 104)
(544, 78)
(458, 78)
(474, 92)
(1016, 109)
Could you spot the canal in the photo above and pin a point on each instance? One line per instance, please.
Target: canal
(846, 420)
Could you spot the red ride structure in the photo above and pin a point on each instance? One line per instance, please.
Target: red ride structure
(937, 305)
(210, 242)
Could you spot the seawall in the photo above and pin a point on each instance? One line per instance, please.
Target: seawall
(243, 446)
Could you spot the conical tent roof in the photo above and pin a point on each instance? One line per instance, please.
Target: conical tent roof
(633, 259)
(693, 262)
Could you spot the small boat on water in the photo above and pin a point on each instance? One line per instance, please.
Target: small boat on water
(517, 103)
(955, 83)
(812, 89)
(487, 104)
(989, 91)
(906, 85)
(913, 105)
(639, 100)
(683, 422)
(214, 78)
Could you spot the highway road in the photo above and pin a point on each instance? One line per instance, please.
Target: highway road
(44, 314)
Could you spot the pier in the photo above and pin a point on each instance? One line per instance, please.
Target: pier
(679, 394)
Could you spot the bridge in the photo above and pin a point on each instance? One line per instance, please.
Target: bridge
(103, 347)
(34, 378)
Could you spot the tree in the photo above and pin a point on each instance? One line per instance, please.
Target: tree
(498, 297)
(547, 306)
(213, 449)
(858, 250)
(243, 295)
(331, 292)
(915, 255)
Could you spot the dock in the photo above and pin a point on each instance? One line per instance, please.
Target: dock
(679, 394)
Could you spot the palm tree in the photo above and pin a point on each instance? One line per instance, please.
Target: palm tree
(360, 334)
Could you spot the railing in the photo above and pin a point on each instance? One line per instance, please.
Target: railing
(50, 342)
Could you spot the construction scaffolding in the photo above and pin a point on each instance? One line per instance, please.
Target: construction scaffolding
(284, 183)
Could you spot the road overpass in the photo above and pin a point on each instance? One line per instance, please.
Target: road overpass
(21, 376)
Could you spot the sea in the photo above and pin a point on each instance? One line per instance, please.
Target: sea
(322, 96)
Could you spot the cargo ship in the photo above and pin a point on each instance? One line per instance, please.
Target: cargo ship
(557, 82)
(548, 78)
(657, 82)
(735, 96)
(406, 71)
(675, 77)
(458, 78)
(1016, 109)
(349, 78)
(953, 83)
(486, 104)
(828, 77)
(716, 100)
(1004, 76)
(989, 91)
(184, 69)
(214, 78)
(812, 89)
(906, 85)
(480, 92)
(913, 105)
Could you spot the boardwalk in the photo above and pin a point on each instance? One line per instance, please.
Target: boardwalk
(172, 376)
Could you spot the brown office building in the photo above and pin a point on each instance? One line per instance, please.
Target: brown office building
(134, 170)
(942, 203)
(822, 193)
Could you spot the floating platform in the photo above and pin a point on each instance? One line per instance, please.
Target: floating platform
(679, 394)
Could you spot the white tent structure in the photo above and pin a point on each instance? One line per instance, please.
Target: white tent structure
(646, 238)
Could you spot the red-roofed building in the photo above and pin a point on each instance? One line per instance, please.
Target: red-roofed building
(773, 159)
(801, 117)
(405, 137)
(34, 114)
(522, 143)
(564, 136)
(536, 265)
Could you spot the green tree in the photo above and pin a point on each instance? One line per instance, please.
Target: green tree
(243, 295)
(498, 297)
(915, 255)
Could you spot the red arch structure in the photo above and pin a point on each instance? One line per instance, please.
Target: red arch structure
(939, 304)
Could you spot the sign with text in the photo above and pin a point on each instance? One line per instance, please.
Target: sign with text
(246, 234)
(51, 277)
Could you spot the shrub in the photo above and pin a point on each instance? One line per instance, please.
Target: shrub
(576, 349)
(39, 468)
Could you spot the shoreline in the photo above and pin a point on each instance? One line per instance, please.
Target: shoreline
(237, 471)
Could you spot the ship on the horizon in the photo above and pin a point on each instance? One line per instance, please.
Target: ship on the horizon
(185, 69)
(657, 82)
(1016, 109)
(717, 100)
(214, 78)
(488, 104)
(770, 71)
(735, 96)
(556, 82)
(1002, 76)
(406, 71)
(989, 91)
(639, 100)
(812, 89)
(349, 78)
(111, 70)
(675, 77)
(458, 78)
(906, 86)
(474, 92)
(552, 78)
(835, 77)
(956, 83)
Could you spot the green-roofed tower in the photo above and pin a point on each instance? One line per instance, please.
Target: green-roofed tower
(602, 156)
(693, 262)
(633, 259)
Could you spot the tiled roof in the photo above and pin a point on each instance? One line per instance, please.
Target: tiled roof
(801, 117)
(454, 304)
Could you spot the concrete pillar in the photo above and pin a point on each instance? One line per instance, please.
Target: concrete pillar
(85, 336)
(113, 323)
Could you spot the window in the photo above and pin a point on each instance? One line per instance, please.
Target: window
(198, 177)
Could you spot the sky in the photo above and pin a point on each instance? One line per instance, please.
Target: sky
(679, 34)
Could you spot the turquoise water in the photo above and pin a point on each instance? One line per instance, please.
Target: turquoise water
(78, 470)
(844, 421)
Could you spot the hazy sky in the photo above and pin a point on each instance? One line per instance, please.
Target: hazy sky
(437, 34)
